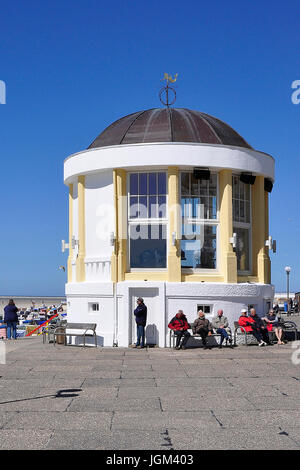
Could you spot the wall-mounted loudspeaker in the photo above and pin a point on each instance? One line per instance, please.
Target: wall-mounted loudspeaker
(247, 178)
(201, 173)
(268, 185)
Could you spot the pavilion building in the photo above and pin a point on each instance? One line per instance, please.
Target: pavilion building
(171, 205)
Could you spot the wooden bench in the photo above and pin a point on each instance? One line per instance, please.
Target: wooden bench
(287, 326)
(83, 327)
(172, 336)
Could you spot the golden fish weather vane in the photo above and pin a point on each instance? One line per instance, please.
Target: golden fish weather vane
(167, 94)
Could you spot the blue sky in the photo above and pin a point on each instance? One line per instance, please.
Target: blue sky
(73, 67)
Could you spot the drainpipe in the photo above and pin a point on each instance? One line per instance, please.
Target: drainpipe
(115, 333)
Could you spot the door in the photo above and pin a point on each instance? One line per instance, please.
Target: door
(150, 296)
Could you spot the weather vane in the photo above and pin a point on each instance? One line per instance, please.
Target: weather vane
(167, 94)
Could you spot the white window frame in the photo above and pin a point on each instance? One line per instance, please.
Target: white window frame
(198, 221)
(146, 221)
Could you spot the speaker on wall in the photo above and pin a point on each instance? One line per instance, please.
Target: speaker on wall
(201, 173)
(247, 178)
(268, 185)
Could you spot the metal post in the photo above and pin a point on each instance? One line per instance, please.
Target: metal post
(288, 270)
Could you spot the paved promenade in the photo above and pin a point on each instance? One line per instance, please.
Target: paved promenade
(74, 398)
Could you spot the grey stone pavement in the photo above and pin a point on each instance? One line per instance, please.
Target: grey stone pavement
(68, 397)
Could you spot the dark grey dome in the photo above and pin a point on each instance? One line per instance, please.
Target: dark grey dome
(168, 125)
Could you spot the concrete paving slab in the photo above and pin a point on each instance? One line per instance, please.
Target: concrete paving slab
(36, 404)
(149, 440)
(168, 420)
(182, 392)
(75, 440)
(206, 402)
(138, 373)
(88, 392)
(243, 439)
(128, 382)
(100, 404)
(191, 381)
(236, 419)
(15, 439)
(276, 403)
(42, 420)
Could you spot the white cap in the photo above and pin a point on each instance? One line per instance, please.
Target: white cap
(244, 310)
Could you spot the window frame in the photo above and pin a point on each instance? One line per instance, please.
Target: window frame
(200, 221)
(146, 221)
(244, 225)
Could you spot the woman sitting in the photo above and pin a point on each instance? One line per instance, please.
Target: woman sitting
(273, 325)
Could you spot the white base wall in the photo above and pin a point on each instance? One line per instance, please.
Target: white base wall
(115, 319)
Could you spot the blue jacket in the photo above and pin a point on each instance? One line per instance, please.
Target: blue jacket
(141, 314)
(10, 313)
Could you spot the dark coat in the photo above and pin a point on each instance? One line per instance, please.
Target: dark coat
(201, 323)
(10, 313)
(141, 314)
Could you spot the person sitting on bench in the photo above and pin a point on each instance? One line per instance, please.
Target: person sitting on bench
(180, 326)
(272, 322)
(220, 324)
(249, 325)
(202, 327)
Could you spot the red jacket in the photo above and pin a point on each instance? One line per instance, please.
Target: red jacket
(179, 323)
(243, 320)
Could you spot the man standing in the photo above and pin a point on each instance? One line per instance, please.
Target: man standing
(141, 318)
(202, 327)
(11, 319)
(220, 324)
(180, 327)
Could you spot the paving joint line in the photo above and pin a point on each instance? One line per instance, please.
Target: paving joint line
(218, 421)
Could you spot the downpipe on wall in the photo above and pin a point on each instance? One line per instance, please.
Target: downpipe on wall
(115, 332)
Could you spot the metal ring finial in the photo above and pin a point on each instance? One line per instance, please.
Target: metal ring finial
(167, 94)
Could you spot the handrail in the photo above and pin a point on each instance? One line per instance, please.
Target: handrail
(42, 324)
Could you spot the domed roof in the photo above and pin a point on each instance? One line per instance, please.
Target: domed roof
(168, 125)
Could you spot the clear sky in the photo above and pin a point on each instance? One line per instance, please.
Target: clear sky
(73, 67)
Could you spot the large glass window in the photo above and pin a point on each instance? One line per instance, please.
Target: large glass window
(241, 209)
(147, 220)
(199, 222)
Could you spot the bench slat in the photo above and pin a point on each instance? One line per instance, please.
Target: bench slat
(81, 326)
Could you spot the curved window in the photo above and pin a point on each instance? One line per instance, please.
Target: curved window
(241, 210)
(147, 222)
(199, 222)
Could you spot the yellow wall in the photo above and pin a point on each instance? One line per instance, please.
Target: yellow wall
(260, 255)
(174, 251)
(228, 263)
(122, 223)
(227, 269)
